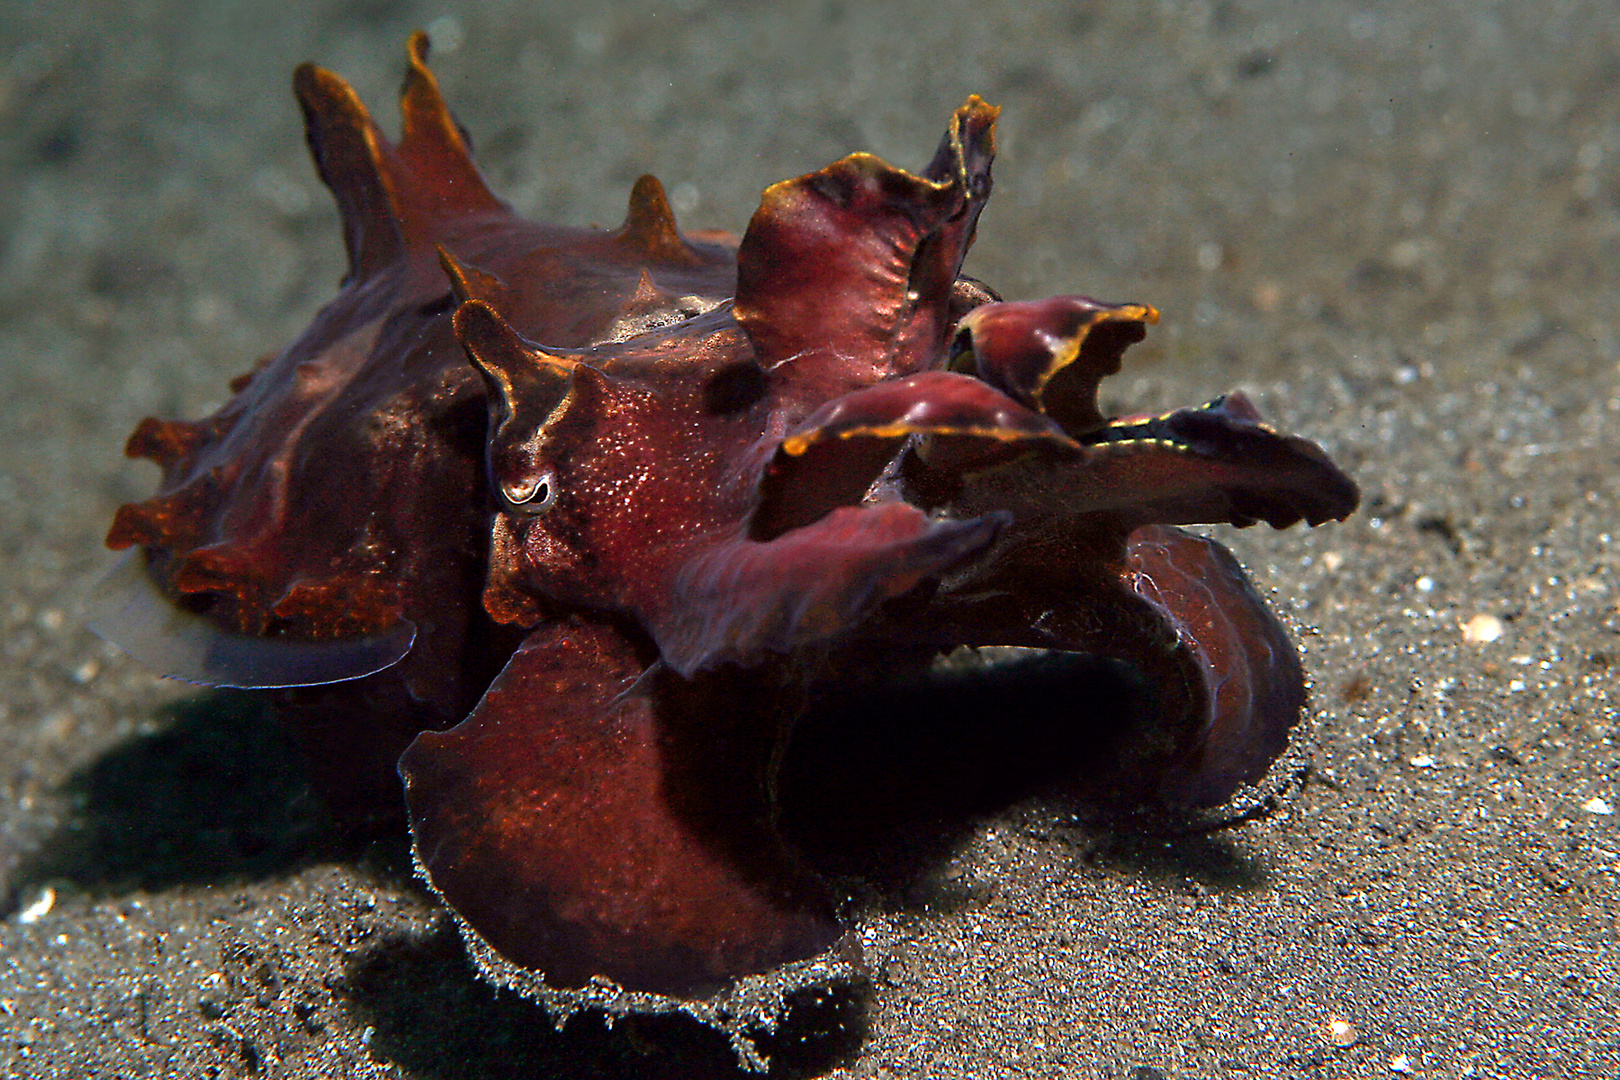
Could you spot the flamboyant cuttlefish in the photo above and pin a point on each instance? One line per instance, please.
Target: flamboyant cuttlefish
(566, 522)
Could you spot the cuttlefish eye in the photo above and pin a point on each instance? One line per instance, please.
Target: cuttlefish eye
(531, 494)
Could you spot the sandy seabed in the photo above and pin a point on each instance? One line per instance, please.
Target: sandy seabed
(1397, 226)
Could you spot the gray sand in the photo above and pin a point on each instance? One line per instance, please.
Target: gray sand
(1398, 226)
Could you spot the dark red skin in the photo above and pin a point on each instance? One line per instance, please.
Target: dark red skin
(677, 484)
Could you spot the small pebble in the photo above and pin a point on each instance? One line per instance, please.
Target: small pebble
(39, 908)
(1482, 629)
(1400, 1063)
(1597, 805)
(1340, 1032)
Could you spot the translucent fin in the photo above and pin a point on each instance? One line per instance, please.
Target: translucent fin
(130, 611)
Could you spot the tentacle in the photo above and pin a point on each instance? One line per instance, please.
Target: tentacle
(1221, 683)
(1216, 464)
(962, 160)
(929, 403)
(740, 601)
(1051, 354)
(587, 821)
(855, 264)
(1250, 687)
(836, 453)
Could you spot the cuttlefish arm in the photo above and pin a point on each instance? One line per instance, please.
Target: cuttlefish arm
(595, 819)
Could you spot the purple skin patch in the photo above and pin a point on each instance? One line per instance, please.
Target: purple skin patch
(614, 499)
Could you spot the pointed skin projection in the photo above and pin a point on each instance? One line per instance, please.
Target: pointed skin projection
(573, 524)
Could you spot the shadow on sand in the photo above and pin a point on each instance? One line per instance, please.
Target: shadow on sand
(218, 794)
(882, 786)
(434, 1018)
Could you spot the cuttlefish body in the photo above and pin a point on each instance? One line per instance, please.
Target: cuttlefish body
(613, 502)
